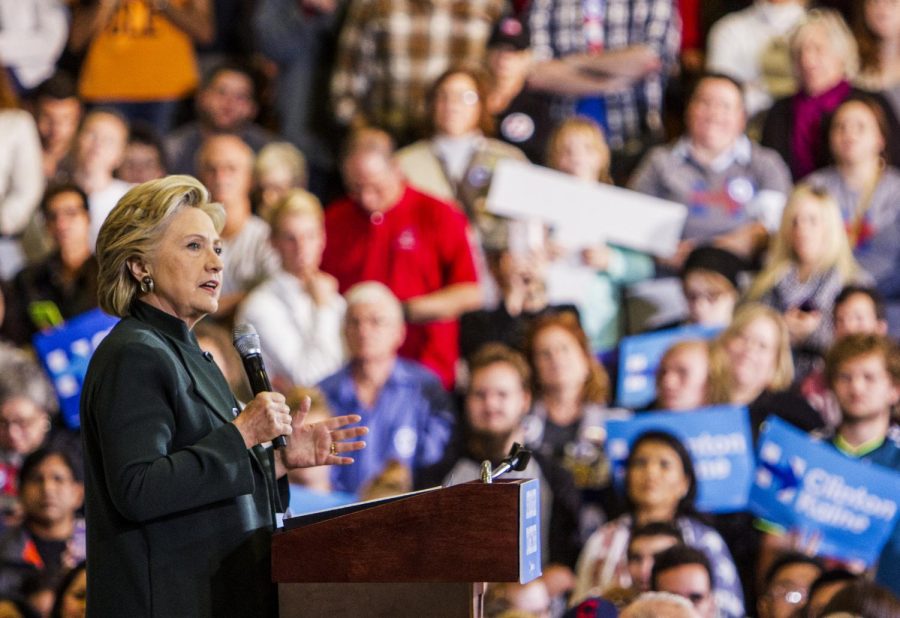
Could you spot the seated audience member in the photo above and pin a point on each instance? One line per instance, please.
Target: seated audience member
(64, 284)
(862, 598)
(644, 544)
(409, 414)
(875, 28)
(532, 599)
(660, 486)
(50, 537)
(523, 116)
(225, 165)
(226, 103)
(71, 593)
(709, 281)
(864, 373)
(57, 110)
(809, 262)
(682, 380)
(568, 419)
(497, 399)
(387, 231)
(39, 591)
(750, 45)
(857, 310)
(750, 365)
(145, 158)
(825, 58)
(578, 148)
(278, 169)
(786, 585)
(298, 311)
(823, 589)
(99, 151)
(864, 183)
(687, 572)
(734, 189)
(659, 605)
(21, 181)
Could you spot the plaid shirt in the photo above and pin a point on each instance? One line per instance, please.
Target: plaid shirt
(391, 51)
(557, 30)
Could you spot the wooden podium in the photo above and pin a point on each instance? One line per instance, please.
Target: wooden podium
(423, 554)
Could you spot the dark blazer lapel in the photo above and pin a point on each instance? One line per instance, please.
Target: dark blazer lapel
(219, 399)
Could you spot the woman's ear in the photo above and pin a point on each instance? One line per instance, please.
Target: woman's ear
(137, 268)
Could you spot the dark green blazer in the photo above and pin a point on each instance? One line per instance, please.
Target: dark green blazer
(179, 511)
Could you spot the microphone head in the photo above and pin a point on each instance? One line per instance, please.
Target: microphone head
(246, 340)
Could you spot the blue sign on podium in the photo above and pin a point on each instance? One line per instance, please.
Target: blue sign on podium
(529, 531)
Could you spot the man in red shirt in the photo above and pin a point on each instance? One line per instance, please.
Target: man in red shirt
(417, 245)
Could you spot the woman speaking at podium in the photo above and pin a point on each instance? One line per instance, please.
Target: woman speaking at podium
(181, 491)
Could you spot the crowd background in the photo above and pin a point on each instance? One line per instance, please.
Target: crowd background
(353, 143)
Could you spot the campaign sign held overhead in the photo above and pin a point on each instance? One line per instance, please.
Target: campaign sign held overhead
(718, 439)
(639, 357)
(810, 487)
(65, 352)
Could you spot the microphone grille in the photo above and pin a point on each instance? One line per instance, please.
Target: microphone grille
(246, 340)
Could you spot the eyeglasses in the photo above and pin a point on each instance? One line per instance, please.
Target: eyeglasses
(466, 97)
(789, 594)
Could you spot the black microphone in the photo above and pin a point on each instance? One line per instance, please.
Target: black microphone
(246, 341)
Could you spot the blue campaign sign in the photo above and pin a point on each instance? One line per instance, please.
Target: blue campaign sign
(718, 439)
(810, 487)
(529, 531)
(65, 352)
(639, 357)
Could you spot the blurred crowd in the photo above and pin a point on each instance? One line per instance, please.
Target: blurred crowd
(353, 145)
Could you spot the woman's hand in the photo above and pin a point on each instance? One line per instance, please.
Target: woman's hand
(264, 419)
(801, 324)
(322, 443)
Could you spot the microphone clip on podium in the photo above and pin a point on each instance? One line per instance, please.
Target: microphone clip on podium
(517, 460)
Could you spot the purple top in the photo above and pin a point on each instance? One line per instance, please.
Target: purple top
(808, 113)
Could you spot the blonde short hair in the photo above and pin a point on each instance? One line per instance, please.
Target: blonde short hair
(133, 229)
(374, 293)
(580, 125)
(282, 154)
(838, 33)
(295, 202)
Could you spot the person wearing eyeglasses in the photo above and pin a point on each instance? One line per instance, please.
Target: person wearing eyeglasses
(686, 571)
(786, 585)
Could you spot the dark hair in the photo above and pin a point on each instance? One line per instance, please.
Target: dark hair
(865, 599)
(60, 85)
(235, 66)
(59, 188)
(676, 556)
(36, 458)
(709, 75)
(477, 75)
(64, 584)
(656, 528)
(787, 559)
(874, 295)
(686, 504)
(144, 134)
(877, 111)
(827, 578)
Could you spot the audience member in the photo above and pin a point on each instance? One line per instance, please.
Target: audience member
(687, 572)
(140, 59)
(734, 189)
(226, 103)
(145, 156)
(786, 585)
(387, 231)
(531, 598)
(810, 261)
(99, 151)
(50, 538)
(750, 365)
(71, 594)
(660, 485)
(751, 46)
(57, 110)
(32, 36)
(409, 415)
(660, 605)
(389, 53)
(877, 32)
(64, 284)
(862, 599)
(578, 147)
(644, 544)
(298, 311)
(682, 380)
(711, 286)
(524, 117)
(278, 169)
(823, 589)
(825, 59)
(21, 181)
(225, 165)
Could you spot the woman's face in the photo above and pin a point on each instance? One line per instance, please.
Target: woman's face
(682, 377)
(753, 354)
(75, 597)
(710, 302)
(457, 107)
(299, 242)
(883, 18)
(580, 157)
(23, 425)
(187, 267)
(855, 136)
(808, 231)
(819, 65)
(656, 477)
(558, 359)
